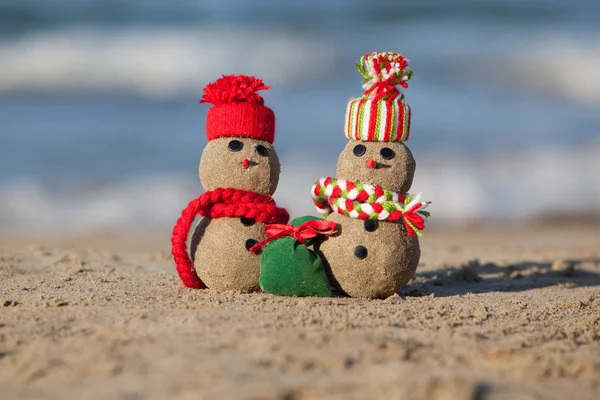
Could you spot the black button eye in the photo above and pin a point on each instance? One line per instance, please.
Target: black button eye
(250, 243)
(371, 225)
(387, 153)
(359, 150)
(247, 221)
(235, 145)
(262, 150)
(360, 252)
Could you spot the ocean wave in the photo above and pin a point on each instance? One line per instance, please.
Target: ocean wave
(562, 66)
(155, 62)
(511, 188)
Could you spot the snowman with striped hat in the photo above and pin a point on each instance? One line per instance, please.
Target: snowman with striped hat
(377, 249)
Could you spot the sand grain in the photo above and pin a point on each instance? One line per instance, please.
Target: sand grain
(490, 314)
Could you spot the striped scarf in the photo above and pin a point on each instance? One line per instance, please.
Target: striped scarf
(362, 201)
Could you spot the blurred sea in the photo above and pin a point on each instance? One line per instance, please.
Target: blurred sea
(100, 124)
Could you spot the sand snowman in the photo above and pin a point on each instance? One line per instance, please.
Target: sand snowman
(377, 249)
(239, 171)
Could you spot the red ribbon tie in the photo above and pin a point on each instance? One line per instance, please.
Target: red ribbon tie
(308, 230)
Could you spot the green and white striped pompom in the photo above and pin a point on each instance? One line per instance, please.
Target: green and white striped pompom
(382, 72)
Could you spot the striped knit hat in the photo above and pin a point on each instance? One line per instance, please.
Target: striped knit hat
(381, 114)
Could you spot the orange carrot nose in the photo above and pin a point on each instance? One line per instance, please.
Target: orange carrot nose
(245, 163)
(371, 163)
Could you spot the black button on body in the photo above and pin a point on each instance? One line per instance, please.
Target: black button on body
(371, 225)
(359, 150)
(250, 243)
(360, 252)
(247, 221)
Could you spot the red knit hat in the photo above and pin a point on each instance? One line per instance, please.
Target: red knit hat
(237, 109)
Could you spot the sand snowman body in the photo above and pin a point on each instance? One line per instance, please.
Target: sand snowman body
(219, 247)
(372, 259)
(391, 260)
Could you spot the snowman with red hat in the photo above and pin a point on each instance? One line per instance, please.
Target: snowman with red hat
(239, 170)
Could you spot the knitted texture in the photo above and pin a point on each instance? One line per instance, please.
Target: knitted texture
(362, 201)
(378, 120)
(219, 203)
(237, 109)
(381, 114)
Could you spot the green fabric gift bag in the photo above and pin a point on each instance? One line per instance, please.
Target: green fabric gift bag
(287, 266)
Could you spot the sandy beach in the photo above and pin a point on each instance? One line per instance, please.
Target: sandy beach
(491, 314)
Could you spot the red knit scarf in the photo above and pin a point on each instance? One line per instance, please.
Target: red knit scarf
(219, 203)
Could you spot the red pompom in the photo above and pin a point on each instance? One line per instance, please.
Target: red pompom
(234, 89)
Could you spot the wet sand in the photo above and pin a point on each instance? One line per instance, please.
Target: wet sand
(491, 314)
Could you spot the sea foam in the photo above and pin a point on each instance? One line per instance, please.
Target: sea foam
(499, 189)
(154, 62)
(562, 65)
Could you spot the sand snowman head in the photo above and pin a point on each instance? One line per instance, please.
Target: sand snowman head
(241, 163)
(377, 124)
(241, 131)
(389, 165)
